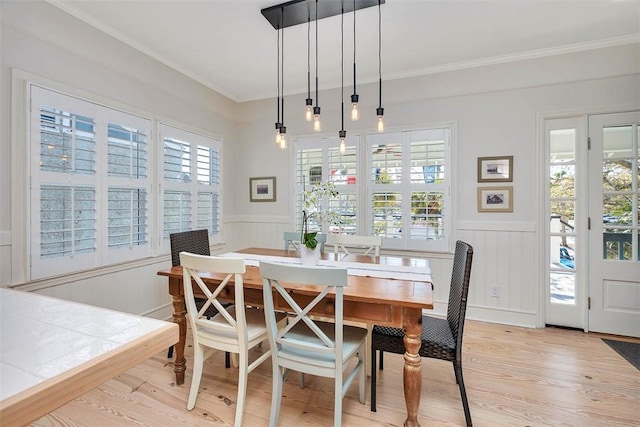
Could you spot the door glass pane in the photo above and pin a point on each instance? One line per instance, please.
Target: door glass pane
(562, 213)
(620, 193)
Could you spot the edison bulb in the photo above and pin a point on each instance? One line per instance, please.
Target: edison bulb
(342, 146)
(316, 123)
(380, 124)
(278, 137)
(309, 113)
(283, 142)
(354, 112)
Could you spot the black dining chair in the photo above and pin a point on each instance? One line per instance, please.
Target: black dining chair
(441, 338)
(195, 242)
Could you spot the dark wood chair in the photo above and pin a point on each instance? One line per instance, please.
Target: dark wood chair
(441, 338)
(195, 242)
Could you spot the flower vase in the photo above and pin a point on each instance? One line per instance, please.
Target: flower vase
(310, 257)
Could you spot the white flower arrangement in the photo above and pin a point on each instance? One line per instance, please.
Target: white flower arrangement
(313, 209)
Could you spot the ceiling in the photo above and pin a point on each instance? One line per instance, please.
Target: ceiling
(230, 47)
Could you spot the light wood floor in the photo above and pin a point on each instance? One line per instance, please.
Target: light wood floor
(514, 377)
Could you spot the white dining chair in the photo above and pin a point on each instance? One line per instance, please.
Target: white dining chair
(341, 243)
(234, 329)
(310, 346)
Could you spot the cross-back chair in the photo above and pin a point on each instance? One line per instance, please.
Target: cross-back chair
(307, 345)
(371, 244)
(440, 338)
(292, 240)
(234, 329)
(195, 242)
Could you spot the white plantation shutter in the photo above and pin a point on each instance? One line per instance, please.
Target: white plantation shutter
(89, 189)
(320, 160)
(408, 188)
(191, 183)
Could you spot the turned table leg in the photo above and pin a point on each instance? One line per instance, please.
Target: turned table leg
(179, 312)
(412, 377)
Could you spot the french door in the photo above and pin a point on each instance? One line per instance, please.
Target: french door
(614, 215)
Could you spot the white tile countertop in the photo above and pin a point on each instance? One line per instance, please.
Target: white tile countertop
(61, 349)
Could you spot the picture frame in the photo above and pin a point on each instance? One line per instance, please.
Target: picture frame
(495, 169)
(262, 189)
(495, 199)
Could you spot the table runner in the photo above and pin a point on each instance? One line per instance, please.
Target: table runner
(400, 272)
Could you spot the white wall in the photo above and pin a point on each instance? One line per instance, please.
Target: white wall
(496, 110)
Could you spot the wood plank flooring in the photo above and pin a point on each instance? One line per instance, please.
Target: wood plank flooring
(514, 377)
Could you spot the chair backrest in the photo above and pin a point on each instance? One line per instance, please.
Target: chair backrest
(292, 240)
(233, 269)
(460, 276)
(195, 242)
(273, 275)
(343, 241)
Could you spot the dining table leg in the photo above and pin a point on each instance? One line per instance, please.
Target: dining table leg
(412, 376)
(179, 312)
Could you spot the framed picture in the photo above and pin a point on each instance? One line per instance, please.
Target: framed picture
(495, 199)
(262, 189)
(495, 169)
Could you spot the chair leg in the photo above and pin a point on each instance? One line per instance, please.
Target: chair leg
(276, 393)
(170, 352)
(227, 359)
(373, 380)
(242, 386)
(337, 405)
(362, 376)
(198, 361)
(381, 360)
(463, 394)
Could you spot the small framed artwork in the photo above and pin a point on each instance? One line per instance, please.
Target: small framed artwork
(495, 169)
(495, 199)
(262, 189)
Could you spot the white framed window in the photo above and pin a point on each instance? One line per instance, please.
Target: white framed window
(90, 187)
(396, 185)
(320, 160)
(191, 183)
(409, 189)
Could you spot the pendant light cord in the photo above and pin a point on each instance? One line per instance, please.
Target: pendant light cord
(278, 73)
(380, 54)
(316, 53)
(354, 47)
(309, 56)
(342, 65)
(282, 53)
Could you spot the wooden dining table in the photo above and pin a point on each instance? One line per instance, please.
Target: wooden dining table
(384, 300)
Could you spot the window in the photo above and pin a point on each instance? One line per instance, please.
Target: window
(397, 186)
(91, 198)
(191, 183)
(320, 160)
(408, 189)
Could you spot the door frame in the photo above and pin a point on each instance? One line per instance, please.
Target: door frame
(541, 178)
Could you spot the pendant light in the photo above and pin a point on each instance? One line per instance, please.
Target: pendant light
(343, 133)
(354, 98)
(283, 128)
(316, 109)
(278, 124)
(380, 110)
(309, 102)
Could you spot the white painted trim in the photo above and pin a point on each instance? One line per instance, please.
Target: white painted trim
(521, 56)
(256, 219)
(162, 312)
(526, 319)
(527, 227)
(5, 238)
(88, 274)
